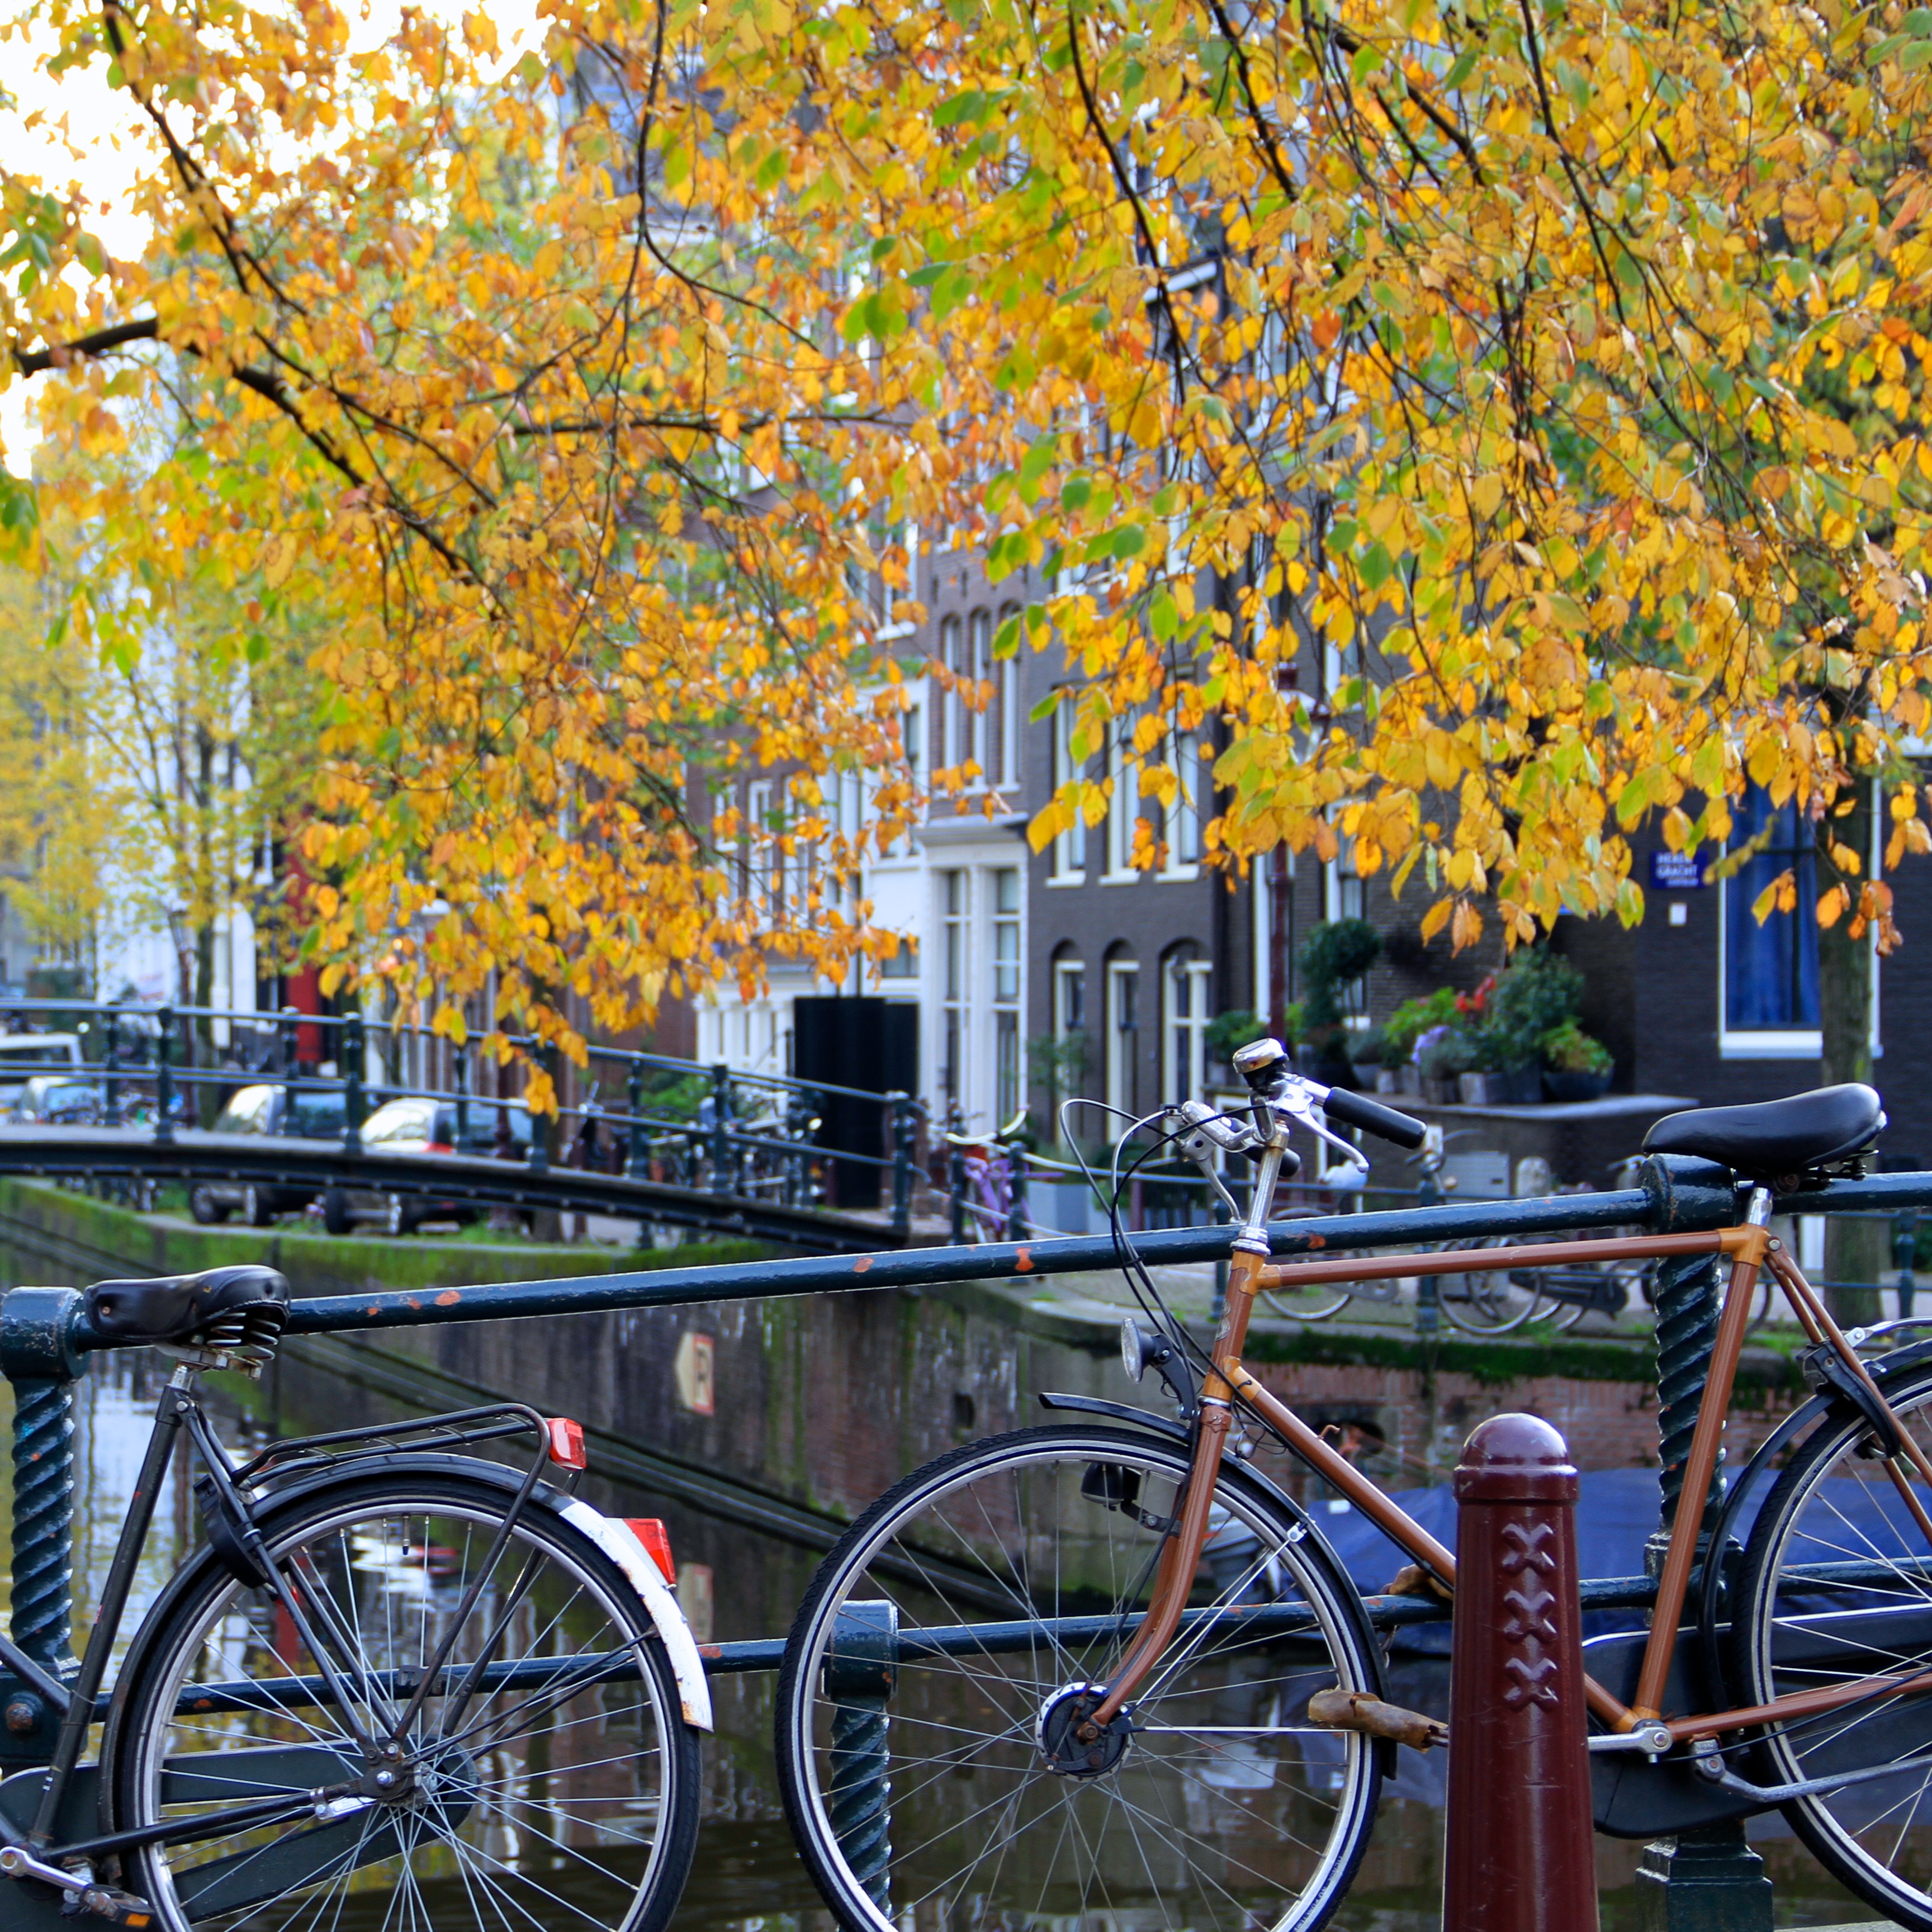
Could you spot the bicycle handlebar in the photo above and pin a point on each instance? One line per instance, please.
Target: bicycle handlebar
(1357, 1110)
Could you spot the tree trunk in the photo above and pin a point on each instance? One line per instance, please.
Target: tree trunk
(1854, 1251)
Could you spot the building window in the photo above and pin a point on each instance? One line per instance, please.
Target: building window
(1185, 1032)
(1007, 993)
(1123, 1035)
(1069, 849)
(956, 899)
(953, 748)
(1343, 897)
(1771, 971)
(1068, 1064)
(1006, 706)
(1121, 807)
(1193, 765)
(979, 718)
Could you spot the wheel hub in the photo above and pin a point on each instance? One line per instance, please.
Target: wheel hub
(1062, 1718)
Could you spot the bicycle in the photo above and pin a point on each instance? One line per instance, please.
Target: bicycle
(1107, 1671)
(987, 1163)
(395, 1677)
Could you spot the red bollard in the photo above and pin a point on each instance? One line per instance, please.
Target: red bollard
(1521, 1854)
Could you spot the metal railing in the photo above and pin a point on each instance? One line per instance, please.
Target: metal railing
(45, 1342)
(147, 1069)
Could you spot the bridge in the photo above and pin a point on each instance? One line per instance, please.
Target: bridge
(749, 1158)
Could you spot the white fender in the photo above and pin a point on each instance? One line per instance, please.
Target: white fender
(619, 1542)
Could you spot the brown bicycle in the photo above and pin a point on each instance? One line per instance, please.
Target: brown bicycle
(1063, 1677)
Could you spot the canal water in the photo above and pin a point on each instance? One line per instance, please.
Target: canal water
(737, 1584)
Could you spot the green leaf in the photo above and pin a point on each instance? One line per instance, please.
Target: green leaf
(1045, 709)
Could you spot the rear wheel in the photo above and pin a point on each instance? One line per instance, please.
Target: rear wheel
(1837, 1586)
(1222, 1808)
(565, 1794)
(398, 1217)
(335, 1215)
(255, 1208)
(205, 1209)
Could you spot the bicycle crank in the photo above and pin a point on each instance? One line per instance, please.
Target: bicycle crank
(1067, 1752)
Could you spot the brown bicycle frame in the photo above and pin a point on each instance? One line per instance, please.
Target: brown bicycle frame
(1750, 1248)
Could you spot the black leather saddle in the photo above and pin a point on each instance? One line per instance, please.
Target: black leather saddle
(1775, 1140)
(175, 1306)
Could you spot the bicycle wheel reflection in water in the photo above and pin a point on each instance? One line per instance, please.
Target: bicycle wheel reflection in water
(1217, 1805)
(544, 1800)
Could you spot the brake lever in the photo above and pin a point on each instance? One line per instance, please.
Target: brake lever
(1199, 1130)
(1302, 1101)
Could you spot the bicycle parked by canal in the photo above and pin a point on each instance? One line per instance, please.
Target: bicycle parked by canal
(1107, 1671)
(399, 1682)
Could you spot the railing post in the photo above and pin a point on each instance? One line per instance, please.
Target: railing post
(1428, 1288)
(861, 1669)
(955, 1174)
(288, 1028)
(638, 1164)
(37, 1356)
(111, 1068)
(460, 1071)
(164, 1077)
(720, 1128)
(1706, 1879)
(1904, 1248)
(904, 1132)
(353, 1054)
(1019, 1215)
(1521, 1855)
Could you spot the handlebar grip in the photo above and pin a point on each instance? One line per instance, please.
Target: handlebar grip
(1357, 1110)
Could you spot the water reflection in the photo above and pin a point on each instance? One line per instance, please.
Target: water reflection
(747, 1878)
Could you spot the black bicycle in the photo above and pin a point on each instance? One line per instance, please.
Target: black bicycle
(399, 1683)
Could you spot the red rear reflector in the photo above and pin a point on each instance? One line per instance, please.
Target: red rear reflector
(566, 1442)
(650, 1532)
(439, 1146)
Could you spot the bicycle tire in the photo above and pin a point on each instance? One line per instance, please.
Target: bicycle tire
(500, 1818)
(966, 1843)
(1832, 1504)
(1484, 1301)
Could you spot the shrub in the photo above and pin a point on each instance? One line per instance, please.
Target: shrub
(1568, 1049)
(1228, 1032)
(1367, 1048)
(1333, 953)
(1412, 1020)
(1445, 1051)
(1536, 993)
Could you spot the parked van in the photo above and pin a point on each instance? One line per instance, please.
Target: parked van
(24, 1054)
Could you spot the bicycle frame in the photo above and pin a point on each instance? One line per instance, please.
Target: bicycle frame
(1750, 1248)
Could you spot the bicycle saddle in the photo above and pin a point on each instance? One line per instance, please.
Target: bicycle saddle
(172, 1307)
(1774, 1139)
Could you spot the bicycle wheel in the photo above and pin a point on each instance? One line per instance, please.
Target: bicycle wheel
(1837, 1584)
(1486, 1301)
(564, 1794)
(1224, 1808)
(1315, 1302)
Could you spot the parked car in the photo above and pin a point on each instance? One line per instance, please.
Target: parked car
(266, 1109)
(415, 1124)
(24, 1054)
(60, 1099)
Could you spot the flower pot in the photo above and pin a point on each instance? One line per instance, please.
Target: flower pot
(1408, 1078)
(1442, 1092)
(1367, 1073)
(1474, 1089)
(1575, 1086)
(1519, 1086)
(1388, 1080)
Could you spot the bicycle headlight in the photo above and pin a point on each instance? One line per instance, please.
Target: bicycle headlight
(1133, 1349)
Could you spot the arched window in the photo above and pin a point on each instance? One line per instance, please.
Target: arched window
(1122, 1020)
(1184, 984)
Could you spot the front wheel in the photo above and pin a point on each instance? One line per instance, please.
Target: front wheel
(949, 1631)
(564, 1793)
(1836, 1586)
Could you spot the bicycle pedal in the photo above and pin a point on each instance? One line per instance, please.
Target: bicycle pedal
(110, 1903)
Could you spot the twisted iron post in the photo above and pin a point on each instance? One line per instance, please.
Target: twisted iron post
(861, 1668)
(1707, 1879)
(37, 1356)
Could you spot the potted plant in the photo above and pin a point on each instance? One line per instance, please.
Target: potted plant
(1364, 1048)
(1228, 1033)
(1576, 1067)
(1404, 1027)
(1443, 1055)
(1535, 993)
(1333, 953)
